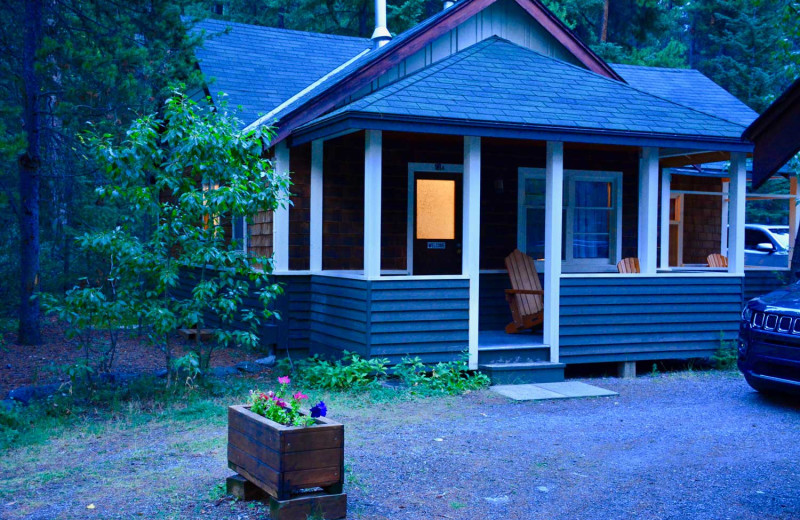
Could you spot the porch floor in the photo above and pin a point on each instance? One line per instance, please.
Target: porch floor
(499, 338)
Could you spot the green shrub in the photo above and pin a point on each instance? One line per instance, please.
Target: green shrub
(350, 372)
(451, 378)
(725, 356)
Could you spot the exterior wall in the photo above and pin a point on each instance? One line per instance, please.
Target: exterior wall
(628, 318)
(343, 203)
(702, 217)
(758, 282)
(425, 318)
(384, 318)
(400, 149)
(260, 234)
(300, 165)
(295, 309)
(338, 319)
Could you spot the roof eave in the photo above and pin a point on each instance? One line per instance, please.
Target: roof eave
(352, 121)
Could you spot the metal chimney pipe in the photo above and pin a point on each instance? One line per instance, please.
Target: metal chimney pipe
(381, 35)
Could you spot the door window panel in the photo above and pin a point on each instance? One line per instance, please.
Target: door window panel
(436, 209)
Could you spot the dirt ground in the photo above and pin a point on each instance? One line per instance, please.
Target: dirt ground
(24, 365)
(672, 446)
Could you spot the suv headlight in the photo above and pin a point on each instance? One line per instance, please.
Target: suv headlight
(747, 314)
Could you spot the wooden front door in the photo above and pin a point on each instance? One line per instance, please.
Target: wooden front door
(437, 224)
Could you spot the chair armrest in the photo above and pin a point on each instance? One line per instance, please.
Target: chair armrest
(523, 291)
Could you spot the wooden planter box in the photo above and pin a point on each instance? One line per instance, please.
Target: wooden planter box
(283, 460)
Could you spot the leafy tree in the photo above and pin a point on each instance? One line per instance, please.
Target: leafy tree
(66, 62)
(182, 172)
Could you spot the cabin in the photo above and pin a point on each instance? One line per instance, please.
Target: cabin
(420, 162)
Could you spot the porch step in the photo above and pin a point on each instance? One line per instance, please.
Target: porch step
(513, 354)
(520, 373)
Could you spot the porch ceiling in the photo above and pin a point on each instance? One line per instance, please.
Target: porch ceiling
(500, 89)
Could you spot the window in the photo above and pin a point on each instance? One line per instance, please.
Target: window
(592, 220)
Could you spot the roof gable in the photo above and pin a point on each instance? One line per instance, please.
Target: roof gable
(357, 75)
(497, 82)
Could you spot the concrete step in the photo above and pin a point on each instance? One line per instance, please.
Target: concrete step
(522, 373)
(513, 354)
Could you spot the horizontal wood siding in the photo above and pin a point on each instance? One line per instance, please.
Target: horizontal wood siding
(425, 318)
(494, 313)
(644, 318)
(295, 309)
(760, 282)
(339, 318)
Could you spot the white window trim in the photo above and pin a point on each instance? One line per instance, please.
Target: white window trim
(424, 168)
(570, 176)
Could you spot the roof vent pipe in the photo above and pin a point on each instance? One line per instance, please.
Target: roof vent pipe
(381, 35)
(448, 4)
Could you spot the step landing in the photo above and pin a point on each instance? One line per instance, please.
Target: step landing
(522, 373)
(562, 390)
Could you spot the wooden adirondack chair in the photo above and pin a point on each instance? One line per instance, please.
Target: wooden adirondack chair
(526, 297)
(629, 265)
(717, 260)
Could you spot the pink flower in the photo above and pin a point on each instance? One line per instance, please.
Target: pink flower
(300, 396)
(280, 402)
(284, 380)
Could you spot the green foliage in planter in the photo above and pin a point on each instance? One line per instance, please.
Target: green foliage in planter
(183, 173)
(350, 372)
(452, 378)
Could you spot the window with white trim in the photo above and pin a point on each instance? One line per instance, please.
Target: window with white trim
(592, 217)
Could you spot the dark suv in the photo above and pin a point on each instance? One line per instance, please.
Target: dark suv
(769, 341)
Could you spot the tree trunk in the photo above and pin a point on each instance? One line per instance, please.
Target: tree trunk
(29, 172)
(604, 31)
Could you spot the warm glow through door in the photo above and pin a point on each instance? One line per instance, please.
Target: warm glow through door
(436, 209)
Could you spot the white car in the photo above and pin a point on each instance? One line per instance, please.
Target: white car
(766, 245)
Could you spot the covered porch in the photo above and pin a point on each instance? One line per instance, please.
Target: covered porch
(368, 278)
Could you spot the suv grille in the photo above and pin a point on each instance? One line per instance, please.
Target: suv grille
(776, 323)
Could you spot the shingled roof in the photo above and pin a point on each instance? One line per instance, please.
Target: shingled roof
(498, 82)
(689, 88)
(261, 67)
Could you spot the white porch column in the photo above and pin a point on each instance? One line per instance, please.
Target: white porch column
(472, 237)
(280, 217)
(666, 204)
(738, 197)
(648, 210)
(723, 248)
(315, 226)
(554, 203)
(372, 204)
(793, 215)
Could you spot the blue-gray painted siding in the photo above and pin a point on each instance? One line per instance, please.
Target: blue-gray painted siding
(425, 318)
(494, 313)
(760, 282)
(295, 315)
(644, 318)
(338, 317)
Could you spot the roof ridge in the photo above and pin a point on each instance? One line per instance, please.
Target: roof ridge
(279, 29)
(425, 72)
(668, 69)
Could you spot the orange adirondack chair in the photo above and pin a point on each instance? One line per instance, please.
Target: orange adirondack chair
(526, 297)
(629, 265)
(717, 260)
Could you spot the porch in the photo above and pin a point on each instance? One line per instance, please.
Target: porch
(356, 282)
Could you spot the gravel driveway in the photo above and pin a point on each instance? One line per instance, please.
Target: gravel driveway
(682, 446)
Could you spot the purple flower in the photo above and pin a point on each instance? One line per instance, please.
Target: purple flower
(319, 410)
(280, 402)
(284, 380)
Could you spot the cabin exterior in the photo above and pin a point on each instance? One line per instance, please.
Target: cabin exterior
(419, 163)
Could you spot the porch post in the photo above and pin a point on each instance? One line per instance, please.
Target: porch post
(315, 211)
(280, 217)
(738, 196)
(723, 249)
(666, 205)
(554, 203)
(793, 214)
(372, 204)
(472, 237)
(648, 210)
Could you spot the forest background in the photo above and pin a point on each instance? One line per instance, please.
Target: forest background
(67, 66)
